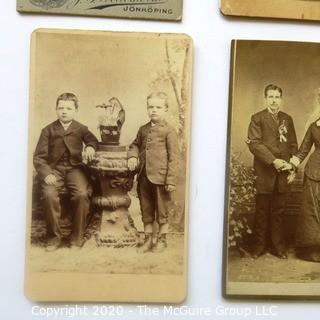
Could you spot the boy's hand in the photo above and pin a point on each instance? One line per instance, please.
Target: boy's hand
(89, 153)
(170, 187)
(132, 163)
(50, 180)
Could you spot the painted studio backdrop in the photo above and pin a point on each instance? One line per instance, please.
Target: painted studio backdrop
(295, 67)
(96, 70)
(96, 66)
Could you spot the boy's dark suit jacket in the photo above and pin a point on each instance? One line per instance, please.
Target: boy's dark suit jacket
(157, 150)
(264, 143)
(54, 141)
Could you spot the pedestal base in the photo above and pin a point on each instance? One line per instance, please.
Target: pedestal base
(115, 180)
(117, 230)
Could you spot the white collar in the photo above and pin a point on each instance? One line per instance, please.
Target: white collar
(273, 112)
(65, 125)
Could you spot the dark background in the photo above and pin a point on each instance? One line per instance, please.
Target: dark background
(293, 66)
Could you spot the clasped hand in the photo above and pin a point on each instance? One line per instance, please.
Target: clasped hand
(282, 165)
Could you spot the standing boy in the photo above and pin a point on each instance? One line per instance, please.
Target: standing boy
(155, 149)
(58, 161)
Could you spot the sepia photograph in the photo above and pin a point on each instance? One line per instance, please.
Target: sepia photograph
(109, 126)
(272, 208)
(283, 9)
(132, 9)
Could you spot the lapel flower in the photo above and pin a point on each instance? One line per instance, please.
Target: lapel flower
(283, 131)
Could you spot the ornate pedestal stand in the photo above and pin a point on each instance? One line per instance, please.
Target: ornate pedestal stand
(110, 167)
(115, 180)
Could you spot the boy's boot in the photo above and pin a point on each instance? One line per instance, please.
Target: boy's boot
(77, 243)
(53, 244)
(161, 244)
(147, 244)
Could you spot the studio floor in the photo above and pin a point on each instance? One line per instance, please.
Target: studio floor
(95, 259)
(269, 268)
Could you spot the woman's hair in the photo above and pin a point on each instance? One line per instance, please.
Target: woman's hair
(315, 113)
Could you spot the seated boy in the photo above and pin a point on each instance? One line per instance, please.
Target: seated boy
(156, 149)
(58, 161)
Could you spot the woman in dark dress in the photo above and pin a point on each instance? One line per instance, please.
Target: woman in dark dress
(308, 226)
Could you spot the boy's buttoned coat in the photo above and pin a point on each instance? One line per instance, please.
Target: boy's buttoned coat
(157, 149)
(54, 141)
(55, 144)
(264, 143)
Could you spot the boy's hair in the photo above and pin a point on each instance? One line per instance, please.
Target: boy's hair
(159, 95)
(67, 96)
(272, 87)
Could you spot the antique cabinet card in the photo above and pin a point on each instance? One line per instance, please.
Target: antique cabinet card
(108, 166)
(134, 9)
(288, 9)
(272, 244)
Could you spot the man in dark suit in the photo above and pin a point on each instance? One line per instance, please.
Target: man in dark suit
(272, 140)
(58, 161)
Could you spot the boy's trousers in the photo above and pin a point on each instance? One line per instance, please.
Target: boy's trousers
(154, 200)
(79, 189)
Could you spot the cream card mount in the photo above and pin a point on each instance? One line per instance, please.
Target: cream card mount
(110, 225)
